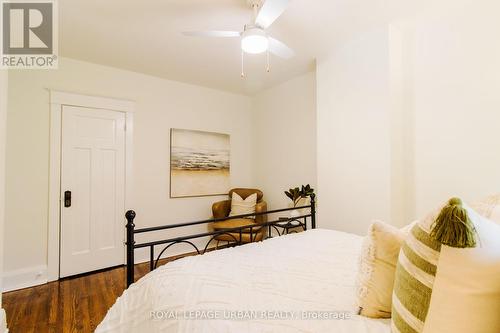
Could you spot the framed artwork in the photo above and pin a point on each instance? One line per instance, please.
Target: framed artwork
(199, 163)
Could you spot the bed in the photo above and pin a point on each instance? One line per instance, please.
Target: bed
(303, 282)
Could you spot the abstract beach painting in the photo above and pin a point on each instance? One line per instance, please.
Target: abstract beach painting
(199, 163)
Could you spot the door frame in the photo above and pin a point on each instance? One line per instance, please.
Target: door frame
(59, 99)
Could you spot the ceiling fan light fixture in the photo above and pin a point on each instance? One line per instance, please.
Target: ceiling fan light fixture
(254, 41)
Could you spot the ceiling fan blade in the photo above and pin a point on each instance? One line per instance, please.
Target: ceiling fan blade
(270, 11)
(213, 33)
(280, 49)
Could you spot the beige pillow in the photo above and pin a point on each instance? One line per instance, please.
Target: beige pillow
(240, 206)
(377, 268)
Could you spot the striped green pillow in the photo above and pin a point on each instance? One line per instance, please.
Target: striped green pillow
(415, 273)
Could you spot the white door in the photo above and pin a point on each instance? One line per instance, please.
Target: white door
(92, 189)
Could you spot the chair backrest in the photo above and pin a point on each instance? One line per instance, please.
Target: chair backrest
(245, 192)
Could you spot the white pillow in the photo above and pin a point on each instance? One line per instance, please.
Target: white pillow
(489, 207)
(240, 206)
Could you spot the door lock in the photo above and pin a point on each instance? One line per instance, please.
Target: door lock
(67, 199)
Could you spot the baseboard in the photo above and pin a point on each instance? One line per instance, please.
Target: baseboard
(34, 276)
(3, 321)
(24, 278)
(142, 255)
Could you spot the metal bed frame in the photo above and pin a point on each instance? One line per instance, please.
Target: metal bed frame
(285, 224)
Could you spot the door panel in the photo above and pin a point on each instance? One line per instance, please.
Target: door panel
(93, 169)
(80, 201)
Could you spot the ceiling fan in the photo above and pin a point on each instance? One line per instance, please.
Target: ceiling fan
(254, 38)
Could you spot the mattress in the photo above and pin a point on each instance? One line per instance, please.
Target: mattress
(303, 282)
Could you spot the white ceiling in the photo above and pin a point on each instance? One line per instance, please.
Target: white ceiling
(145, 36)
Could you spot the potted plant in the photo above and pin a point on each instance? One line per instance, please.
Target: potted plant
(297, 195)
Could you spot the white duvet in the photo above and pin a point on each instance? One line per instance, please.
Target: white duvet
(297, 283)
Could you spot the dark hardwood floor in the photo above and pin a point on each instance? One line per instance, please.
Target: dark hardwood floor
(75, 304)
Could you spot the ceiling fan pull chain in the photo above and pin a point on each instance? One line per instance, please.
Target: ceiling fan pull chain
(268, 68)
(242, 68)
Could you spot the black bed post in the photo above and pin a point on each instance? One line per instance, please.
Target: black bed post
(130, 215)
(313, 211)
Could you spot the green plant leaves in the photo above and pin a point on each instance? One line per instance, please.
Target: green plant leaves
(295, 194)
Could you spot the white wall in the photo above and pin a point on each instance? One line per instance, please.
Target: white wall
(160, 105)
(408, 116)
(3, 118)
(402, 123)
(353, 140)
(457, 102)
(285, 138)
